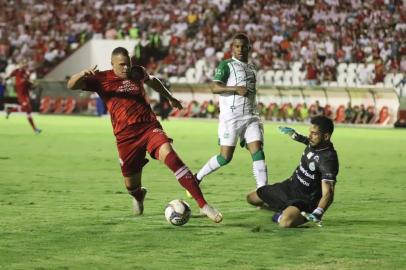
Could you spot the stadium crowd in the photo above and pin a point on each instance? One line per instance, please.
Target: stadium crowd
(172, 36)
(286, 112)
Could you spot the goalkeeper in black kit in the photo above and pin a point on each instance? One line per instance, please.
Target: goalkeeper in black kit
(308, 193)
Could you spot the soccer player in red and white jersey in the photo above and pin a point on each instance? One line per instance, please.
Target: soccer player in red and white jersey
(135, 126)
(23, 86)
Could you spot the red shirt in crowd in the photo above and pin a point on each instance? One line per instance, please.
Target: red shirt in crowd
(125, 99)
(312, 71)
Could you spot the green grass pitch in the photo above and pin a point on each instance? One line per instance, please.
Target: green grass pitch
(63, 204)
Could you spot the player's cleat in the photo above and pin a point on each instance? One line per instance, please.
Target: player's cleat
(212, 213)
(312, 218)
(138, 206)
(38, 131)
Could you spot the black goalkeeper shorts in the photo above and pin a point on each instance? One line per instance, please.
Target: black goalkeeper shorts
(281, 195)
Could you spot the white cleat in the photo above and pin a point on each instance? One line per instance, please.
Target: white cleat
(212, 213)
(138, 206)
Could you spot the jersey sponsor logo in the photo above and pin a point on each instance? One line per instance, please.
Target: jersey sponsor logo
(127, 86)
(312, 167)
(305, 172)
(309, 155)
(301, 180)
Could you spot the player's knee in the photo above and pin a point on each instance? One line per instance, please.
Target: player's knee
(253, 199)
(286, 222)
(224, 160)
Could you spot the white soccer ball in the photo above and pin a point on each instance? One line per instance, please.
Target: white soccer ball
(177, 212)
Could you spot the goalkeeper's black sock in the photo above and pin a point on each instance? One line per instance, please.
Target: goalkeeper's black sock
(276, 217)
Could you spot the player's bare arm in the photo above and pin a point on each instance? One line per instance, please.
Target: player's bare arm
(327, 197)
(157, 85)
(77, 81)
(221, 88)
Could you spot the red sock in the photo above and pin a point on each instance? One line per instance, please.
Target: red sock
(31, 121)
(185, 177)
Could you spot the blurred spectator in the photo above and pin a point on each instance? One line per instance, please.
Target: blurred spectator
(316, 109)
(365, 76)
(304, 113)
(273, 112)
(349, 113)
(312, 73)
(211, 110)
(195, 109)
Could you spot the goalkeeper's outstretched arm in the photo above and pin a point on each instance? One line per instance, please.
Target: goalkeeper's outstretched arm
(294, 135)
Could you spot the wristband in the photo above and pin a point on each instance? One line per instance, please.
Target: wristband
(318, 211)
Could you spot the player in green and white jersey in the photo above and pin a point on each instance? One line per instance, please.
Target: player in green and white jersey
(235, 82)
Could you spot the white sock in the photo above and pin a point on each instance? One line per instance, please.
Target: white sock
(211, 166)
(260, 172)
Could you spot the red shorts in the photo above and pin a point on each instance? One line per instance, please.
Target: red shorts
(135, 141)
(25, 104)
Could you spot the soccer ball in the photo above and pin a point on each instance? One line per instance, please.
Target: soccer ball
(177, 212)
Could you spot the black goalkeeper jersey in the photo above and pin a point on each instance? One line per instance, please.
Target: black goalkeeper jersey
(315, 165)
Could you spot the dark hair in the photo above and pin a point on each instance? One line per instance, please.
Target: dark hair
(120, 50)
(242, 36)
(324, 123)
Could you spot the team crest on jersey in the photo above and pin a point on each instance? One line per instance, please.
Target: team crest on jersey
(309, 155)
(312, 166)
(316, 158)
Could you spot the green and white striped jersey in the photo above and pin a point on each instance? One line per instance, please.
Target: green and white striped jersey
(233, 72)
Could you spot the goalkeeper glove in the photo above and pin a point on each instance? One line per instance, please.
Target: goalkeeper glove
(287, 130)
(315, 216)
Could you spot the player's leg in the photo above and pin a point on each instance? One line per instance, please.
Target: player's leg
(9, 109)
(170, 158)
(253, 135)
(217, 161)
(254, 199)
(291, 218)
(26, 107)
(133, 185)
(228, 136)
(275, 196)
(132, 159)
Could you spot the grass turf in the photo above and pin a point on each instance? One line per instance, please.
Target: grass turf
(63, 204)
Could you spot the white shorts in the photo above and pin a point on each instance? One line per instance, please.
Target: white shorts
(250, 130)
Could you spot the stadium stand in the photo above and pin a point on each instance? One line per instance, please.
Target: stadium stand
(331, 43)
